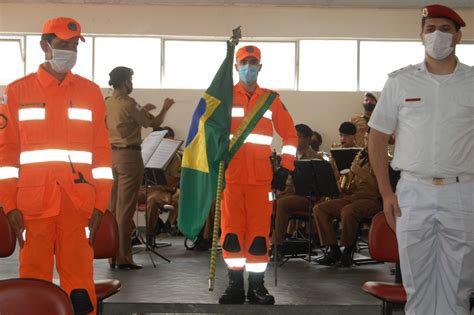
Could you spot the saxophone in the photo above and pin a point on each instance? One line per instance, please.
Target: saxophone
(347, 177)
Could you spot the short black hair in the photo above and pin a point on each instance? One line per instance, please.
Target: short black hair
(318, 136)
(119, 75)
(347, 128)
(170, 132)
(48, 37)
(304, 130)
(423, 21)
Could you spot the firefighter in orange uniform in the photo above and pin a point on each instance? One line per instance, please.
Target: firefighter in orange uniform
(55, 163)
(246, 208)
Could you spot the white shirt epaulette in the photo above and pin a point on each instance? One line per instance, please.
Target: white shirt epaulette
(401, 70)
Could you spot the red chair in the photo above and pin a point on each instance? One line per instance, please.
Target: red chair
(33, 296)
(7, 236)
(106, 244)
(383, 247)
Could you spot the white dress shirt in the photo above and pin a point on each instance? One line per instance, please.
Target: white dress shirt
(433, 120)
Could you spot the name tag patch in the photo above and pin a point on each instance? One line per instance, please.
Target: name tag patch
(413, 99)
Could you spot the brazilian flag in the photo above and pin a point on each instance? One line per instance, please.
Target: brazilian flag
(206, 145)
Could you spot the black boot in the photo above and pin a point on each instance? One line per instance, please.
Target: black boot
(235, 293)
(346, 258)
(331, 257)
(257, 293)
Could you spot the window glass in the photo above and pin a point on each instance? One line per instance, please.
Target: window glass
(11, 63)
(465, 53)
(191, 64)
(379, 58)
(143, 55)
(328, 65)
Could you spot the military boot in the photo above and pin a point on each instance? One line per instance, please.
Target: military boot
(257, 293)
(235, 293)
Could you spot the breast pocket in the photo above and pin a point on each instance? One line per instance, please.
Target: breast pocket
(32, 123)
(80, 127)
(413, 110)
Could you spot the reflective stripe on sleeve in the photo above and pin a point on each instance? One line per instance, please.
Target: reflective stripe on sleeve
(268, 114)
(235, 262)
(7, 172)
(102, 173)
(288, 149)
(55, 155)
(80, 114)
(256, 267)
(31, 114)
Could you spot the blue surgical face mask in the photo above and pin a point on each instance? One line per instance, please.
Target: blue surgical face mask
(248, 73)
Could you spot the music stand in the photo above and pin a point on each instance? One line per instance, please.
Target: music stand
(157, 153)
(344, 157)
(314, 179)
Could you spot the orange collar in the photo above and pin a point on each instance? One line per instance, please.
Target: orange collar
(46, 79)
(240, 89)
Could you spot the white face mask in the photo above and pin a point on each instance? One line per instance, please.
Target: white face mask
(438, 44)
(63, 60)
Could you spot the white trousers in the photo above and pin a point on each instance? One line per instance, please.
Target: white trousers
(435, 235)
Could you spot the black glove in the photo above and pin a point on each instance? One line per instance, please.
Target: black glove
(279, 178)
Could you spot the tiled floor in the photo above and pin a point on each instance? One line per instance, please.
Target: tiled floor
(182, 286)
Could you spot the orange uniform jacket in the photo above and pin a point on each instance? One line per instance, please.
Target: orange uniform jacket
(251, 164)
(53, 135)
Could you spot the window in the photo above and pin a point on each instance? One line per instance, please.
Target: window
(465, 53)
(35, 56)
(278, 64)
(11, 63)
(379, 58)
(191, 64)
(328, 65)
(143, 55)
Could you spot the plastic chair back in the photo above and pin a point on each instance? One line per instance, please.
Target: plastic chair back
(7, 236)
(383, 244)
(106, 241)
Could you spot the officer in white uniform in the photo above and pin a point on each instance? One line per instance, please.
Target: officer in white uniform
(430, 107)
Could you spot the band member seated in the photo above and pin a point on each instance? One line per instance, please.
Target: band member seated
(347, 138)
(288, 202)
(160, 195)
(360, 121)
(316, 141)
(364, 202)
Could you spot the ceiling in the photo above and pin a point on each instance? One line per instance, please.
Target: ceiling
(305, 3)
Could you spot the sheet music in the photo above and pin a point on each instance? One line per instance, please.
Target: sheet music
(150, 143)
(163, 154)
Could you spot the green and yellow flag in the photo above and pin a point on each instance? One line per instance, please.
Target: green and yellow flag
(205, 147)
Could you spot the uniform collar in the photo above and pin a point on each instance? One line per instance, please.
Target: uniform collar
(240, 88)
(119, 93)
(421, 67)
(308, 153)
(46, 78)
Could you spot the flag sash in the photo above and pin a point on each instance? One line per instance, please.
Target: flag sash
(250, 121)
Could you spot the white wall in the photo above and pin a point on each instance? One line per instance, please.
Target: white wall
(323, 111)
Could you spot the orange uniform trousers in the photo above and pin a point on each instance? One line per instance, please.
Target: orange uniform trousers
(246, 212)
(62, 236)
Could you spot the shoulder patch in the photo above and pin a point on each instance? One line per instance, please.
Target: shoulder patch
(4, 100)
(401, 70)
(3, 121)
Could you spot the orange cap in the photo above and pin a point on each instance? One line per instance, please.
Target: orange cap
(248, 51)
(63, 27)
(441, 11)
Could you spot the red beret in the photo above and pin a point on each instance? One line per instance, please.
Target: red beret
(248, 51)
(440, 11)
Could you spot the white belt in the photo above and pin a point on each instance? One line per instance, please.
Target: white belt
(437, 180)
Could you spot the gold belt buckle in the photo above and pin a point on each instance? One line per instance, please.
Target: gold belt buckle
(438, 181)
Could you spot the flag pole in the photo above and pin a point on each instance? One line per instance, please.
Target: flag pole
(217, 221)
(234, 40)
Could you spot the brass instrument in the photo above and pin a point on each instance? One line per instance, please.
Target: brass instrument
(347, 177)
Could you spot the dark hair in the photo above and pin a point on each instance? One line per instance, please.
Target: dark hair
(119, 75)
(348, 128)
(423, 20)
(170, 131)
(318, 136)
(48, 37)
(370, 95)
(304, 130)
